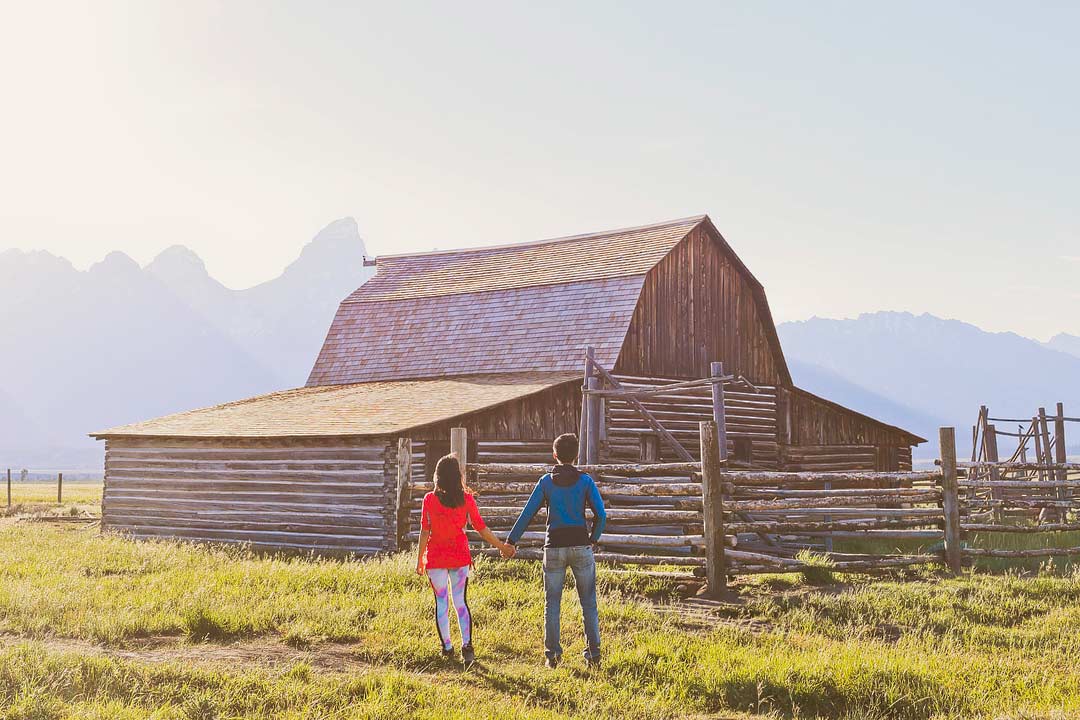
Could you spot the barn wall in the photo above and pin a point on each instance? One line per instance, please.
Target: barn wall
(698, 306)
(328, 495)
(538, 417)
(826, 436)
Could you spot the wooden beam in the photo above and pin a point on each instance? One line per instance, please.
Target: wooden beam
(404, 490)
(459, 445)
(609, 469)
(951, 499)
(1060, 450)
(716, 369)
(715, 569)
(583, 424)
(592, 442)
(649, 417)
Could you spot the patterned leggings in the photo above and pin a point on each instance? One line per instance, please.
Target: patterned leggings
(451, 585)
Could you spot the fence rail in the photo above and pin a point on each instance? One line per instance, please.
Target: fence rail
(721, 521)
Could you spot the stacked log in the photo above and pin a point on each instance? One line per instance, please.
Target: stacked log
(328, 496)
(1036, 499)
(749, 415)
(655, 512)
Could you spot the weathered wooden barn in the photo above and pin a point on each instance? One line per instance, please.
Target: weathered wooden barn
(491, 339)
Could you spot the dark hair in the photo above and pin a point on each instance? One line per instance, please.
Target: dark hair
(449, 484)
(566, 447)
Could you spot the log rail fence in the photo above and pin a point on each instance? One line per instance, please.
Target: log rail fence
(721, 521)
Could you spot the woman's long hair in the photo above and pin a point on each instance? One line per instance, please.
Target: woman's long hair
(449, 482)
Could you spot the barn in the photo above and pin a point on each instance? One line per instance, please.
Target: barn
(493, 340)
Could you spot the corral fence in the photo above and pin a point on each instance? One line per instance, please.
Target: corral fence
(720, 522)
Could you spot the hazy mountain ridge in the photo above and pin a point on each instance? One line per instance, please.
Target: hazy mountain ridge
(119, 343)
(1065, 343)
(941, 369)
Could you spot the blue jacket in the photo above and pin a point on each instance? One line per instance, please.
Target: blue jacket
(566, 492)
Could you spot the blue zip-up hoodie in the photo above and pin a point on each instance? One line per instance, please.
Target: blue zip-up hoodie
(566, 492)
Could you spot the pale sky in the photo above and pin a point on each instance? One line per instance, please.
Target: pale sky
(858, 156)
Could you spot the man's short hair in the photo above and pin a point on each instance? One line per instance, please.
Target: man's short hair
(566, 447)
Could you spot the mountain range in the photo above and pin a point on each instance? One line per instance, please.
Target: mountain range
(86, 350)
(922, 371)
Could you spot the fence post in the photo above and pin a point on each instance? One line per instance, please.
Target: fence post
(716, 370)
(1060, 452)
(404, 490)
(459, 445)
(951, 498)
(592, 442)
(712, 493)
(59, 488)
(991, 443)
(9, 487)
(583, 426)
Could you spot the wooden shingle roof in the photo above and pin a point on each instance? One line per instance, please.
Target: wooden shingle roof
(515, 308)
(579, 258)
(362, 409)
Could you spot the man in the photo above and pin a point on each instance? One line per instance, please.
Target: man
(569, 543)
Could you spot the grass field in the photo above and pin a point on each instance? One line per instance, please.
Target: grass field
(100, 627)
(41, 496)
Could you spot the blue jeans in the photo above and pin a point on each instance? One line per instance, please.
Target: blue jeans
(581, 562)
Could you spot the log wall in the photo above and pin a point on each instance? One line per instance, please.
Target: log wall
(334, 496)
(751, 416)
(821, 435)
(644, 519)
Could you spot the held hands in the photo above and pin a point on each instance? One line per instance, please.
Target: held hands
(507, 551)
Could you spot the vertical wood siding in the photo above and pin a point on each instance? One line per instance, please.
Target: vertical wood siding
(697, 306)
(538, 417)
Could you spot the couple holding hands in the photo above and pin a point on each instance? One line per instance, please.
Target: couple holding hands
(443, 552)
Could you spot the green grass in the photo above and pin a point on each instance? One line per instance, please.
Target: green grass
(41, 496)
(925, 647)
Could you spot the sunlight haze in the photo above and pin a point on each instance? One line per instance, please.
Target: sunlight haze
(917, 157)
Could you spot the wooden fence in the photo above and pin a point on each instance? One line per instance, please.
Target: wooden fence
(721, 521)
(717, 520)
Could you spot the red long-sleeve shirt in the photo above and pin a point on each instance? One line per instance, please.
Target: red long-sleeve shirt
(448, 547)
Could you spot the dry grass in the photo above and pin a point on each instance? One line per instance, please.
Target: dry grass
(355, 639)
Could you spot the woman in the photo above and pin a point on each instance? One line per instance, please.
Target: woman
(444, 551)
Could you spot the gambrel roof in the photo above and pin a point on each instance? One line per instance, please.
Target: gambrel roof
(513, 308)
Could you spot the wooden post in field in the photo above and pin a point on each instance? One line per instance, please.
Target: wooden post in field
(404, 489)
(1060, 451)
(459, 445)
(59, 488)
(996, 493)
(1040, 452)
(9, 487)
(583, 425)
(712, 491)
(1048, 457)
(592, 442)
(716, 370)
(951, 498)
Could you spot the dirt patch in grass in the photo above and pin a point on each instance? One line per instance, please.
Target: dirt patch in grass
(264, 654)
